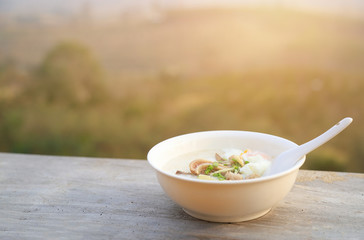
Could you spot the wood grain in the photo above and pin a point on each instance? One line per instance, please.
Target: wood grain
(48, 197)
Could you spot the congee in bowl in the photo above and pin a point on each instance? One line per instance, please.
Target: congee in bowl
(220, 176)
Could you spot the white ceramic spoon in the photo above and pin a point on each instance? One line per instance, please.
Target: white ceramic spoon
(290, 157)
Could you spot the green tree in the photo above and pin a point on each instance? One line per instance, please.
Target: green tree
(69, 74)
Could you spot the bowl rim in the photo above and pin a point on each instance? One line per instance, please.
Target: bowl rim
(263, 178)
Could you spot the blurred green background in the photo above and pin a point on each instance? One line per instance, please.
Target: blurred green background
(77, 83)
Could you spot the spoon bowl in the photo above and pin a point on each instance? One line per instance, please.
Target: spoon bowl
(235, 200)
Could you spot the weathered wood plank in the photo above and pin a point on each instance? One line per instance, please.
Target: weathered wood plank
(45, 197)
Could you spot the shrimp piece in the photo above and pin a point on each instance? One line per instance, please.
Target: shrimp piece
(233, 176)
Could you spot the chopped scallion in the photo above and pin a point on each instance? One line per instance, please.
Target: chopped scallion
(219, 176)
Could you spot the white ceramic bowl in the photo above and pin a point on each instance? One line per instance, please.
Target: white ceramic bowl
(223, 201)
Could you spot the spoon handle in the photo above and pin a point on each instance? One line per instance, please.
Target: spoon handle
(323, 138)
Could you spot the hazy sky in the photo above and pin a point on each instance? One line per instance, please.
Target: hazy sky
(107, 7)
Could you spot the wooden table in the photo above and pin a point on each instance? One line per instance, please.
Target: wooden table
(47, 197)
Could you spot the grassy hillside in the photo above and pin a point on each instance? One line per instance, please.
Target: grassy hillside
(116, 90)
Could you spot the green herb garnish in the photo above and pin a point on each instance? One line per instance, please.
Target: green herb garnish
(235, 163)
(219, 176)
(211, 167)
